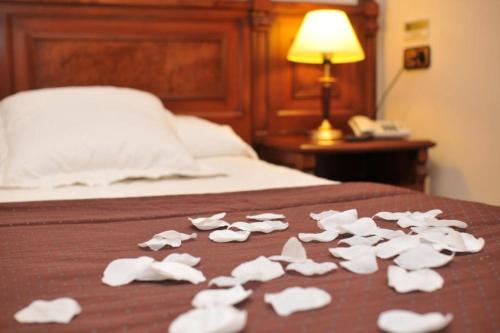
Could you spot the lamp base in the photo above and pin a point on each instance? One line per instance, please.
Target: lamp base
(325, 134)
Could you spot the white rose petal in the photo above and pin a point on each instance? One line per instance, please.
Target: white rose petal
(216, 319)
(363, 227)
(179, 272)
(293, 251)
(363, 264)
(224, 281)
(171, 237)
(309, 267)
(220, 297)
(395, 246)
(422, 256)
(352, 252)
(297, 299)
(389, 233)
(60, 310)
(325, 236)
(183, 258)
(260, 269)
(120, 272)
(266, 217)
(333, 222)
(359, 240)
(323, 215)
(264, 226)
(420, 280)
(447, 223)
(209, 223)
(403, 321)
(224, 236)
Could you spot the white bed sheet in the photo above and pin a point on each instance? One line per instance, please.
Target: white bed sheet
(241, 174)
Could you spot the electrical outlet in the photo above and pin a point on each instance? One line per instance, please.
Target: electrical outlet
(417, 57)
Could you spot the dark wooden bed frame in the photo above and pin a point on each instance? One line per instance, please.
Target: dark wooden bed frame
(224, 60)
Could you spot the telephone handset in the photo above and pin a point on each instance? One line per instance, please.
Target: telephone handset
(364, 126)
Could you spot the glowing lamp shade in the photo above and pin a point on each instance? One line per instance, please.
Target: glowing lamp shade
(326, 34)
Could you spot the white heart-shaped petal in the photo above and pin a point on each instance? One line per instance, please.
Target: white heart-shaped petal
(260, 269)
(396, 245)
(224, 281)
(120, 272)
(309, 267)
(266, 217)
(422, 256)
(325, 236)
(209, 223)
(224, 236)
(391, 216)
(359, 240)
(170, 237)
(220, 297)
(363, 227)
(183, 258)
(352, 252)
(363, 264)
(420, 280)
(264, 226)
(215, 319)
(323, 214)
(293, 251)
(403, 321)
(389, 233)
(177, 271)
(333, 222)
(60, 310)
(296, 299)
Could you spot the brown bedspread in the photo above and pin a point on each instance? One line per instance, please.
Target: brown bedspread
(60, 248)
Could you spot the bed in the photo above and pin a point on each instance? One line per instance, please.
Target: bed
(223, 61)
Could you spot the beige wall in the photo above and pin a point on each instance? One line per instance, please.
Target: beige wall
(457, 101)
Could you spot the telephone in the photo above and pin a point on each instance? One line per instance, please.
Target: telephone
(384, 129)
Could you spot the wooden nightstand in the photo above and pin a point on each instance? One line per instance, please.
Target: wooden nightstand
(397, 162)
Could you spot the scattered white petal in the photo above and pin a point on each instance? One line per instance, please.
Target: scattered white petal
(395, 246)
(359, 240)
(325, 236)
(224, 236)
(266, 217)
(220, 297)
(420, 280)
(297, 299)
(389, 233)
(177, 271)
(59, 310)
(447, 223)
(224, 281)
(333, 222)
(216, 319)
(454, 241)
(396, 216)
(120, 272)
(309, 267)
(422, 229)
(260, 269)
(323, 215)
(391, 216)
(363, 264)
(352, 252)
(422, 256)
(403, 321)
(293, 251)
(210, 223)
(264, 226)
(171, 237)
(363, 227)
(183, 258)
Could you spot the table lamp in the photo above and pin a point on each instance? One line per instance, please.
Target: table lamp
(326, 37)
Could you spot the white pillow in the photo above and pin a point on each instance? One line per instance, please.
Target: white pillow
(204, 138)
(90, 136)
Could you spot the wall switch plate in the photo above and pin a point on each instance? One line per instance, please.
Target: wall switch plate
(417, 57)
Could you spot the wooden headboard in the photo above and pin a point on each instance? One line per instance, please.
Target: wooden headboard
(223, 60)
